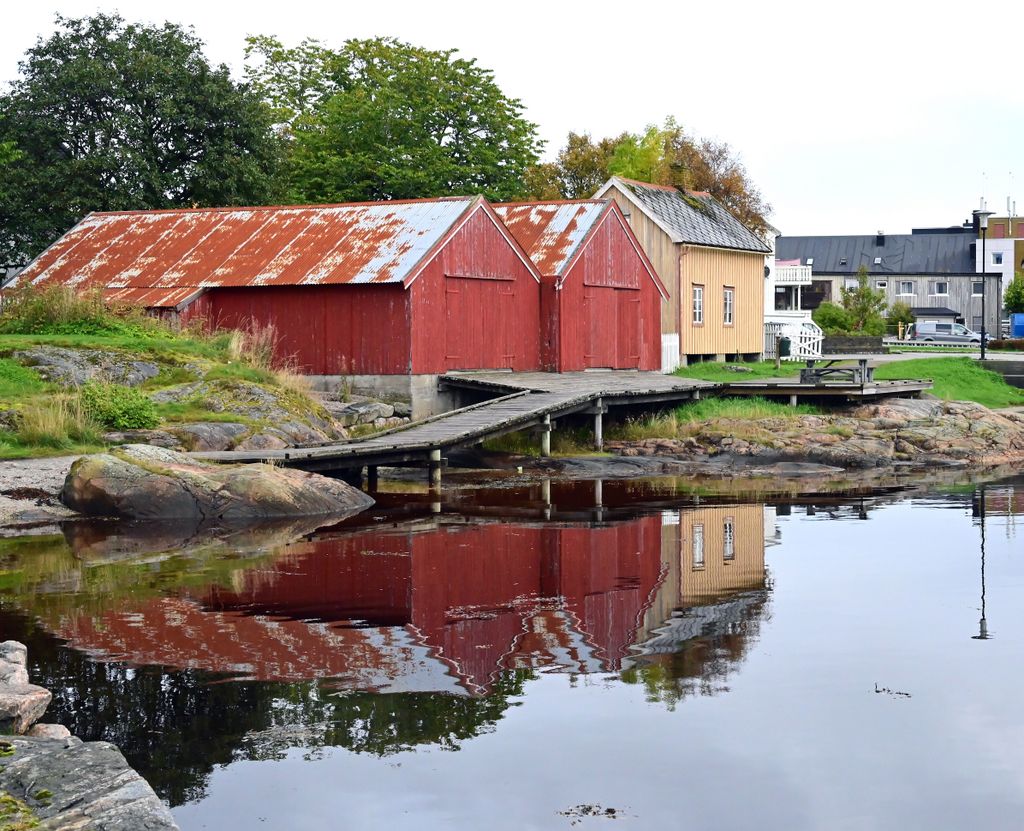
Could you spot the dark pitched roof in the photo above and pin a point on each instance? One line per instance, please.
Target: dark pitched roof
(692, 218)
(937, 311)
(944, 253)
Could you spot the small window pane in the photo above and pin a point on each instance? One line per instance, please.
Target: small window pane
(728, 303)
(729, 539)
(906, 286)
(977, 288)
(997, 258)
(698, 546)
(698, 304)
(881, 284)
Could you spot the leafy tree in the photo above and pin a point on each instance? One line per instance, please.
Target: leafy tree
(1014, 299)
(109, 115)
(383, 119)
(833, 319)
(664, 155)
(899, 312)
(865, 306)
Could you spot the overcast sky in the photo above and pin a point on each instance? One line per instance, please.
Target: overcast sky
(848, 121)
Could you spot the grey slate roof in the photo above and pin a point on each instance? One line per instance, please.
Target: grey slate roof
(947, 253)
(693, 218)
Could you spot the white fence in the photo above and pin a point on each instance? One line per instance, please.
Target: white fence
(793, 275)
(804, 339)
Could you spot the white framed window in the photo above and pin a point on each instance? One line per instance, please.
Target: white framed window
(881, 284)
(850, 283)
(810, 261)
(976, 323)
(938, 288)
(728, 304)
(997, 258)
(729, 539)
(698, 547)
(698, 304)
(907, 288)
(977, 288)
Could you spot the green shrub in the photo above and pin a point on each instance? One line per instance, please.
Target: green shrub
(60, 310)
(833, 319)
(1014, 344)
(119, 407)
(1014, 298)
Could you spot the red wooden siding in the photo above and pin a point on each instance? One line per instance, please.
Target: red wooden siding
(325, 330)
(476, 305)
(609, 307)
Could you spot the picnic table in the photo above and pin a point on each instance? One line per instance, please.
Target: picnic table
(861, 374)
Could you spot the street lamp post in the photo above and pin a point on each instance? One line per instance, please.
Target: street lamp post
(982, 216)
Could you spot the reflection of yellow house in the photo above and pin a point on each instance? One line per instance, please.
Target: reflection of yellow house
(707, 554)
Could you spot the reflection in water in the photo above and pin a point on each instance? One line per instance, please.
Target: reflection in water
(707, 612)
(376, 639)
(428, 629)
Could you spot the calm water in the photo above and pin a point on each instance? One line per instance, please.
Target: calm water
(526, 659)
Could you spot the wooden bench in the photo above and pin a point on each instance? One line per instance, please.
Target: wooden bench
(861, 374)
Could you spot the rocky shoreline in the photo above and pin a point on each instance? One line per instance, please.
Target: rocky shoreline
(59, 781)
(913, 433)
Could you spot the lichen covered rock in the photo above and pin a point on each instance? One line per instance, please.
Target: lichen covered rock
(74, 367)
(143, 482)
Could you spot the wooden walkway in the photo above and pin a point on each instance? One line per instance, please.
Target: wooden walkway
(533, 399)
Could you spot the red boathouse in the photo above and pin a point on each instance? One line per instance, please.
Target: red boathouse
(387, 295)
(601, 297)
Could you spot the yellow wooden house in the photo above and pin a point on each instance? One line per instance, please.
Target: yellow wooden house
(712, 265)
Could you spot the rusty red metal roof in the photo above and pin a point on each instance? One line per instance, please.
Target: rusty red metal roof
(552, 232)
(157, 257)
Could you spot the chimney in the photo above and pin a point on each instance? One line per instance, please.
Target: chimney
(880, 239)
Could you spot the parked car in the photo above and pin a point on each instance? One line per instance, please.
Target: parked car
(943, 333)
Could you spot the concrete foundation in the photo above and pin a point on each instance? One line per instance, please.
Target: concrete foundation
(419, 391)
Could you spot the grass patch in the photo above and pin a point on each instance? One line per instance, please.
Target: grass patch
(750, 409)
(17, 381)
(564, 442)
(241, 372)
(715, 371)
(956, 379)
(184, 411)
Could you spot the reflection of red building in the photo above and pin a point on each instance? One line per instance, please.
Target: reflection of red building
(407, 610)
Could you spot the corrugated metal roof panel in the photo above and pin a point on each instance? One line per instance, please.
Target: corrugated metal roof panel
(373, 242)
(551, 232)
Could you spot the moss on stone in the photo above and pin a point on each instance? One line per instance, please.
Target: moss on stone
(15, 815)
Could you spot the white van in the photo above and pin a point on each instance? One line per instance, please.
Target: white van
(942, 333)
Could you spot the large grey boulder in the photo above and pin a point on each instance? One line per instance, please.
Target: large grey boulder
(70, 784)
(208, 435)
(74, 367)
(144, 482)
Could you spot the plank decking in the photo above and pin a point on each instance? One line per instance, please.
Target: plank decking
(526, 399)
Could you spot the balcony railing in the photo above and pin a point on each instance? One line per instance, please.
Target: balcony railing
(804, 335)
(792, 275)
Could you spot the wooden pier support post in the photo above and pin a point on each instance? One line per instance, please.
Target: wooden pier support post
(434, 468)
(545, 436)
(599, 411)
(792, 400)
(372, 477)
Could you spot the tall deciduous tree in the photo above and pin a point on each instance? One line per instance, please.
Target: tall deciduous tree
(109, 115)
(664, 155)
(383, 119)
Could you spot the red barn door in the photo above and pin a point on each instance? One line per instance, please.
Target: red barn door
(479, 323)
(612, 327)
